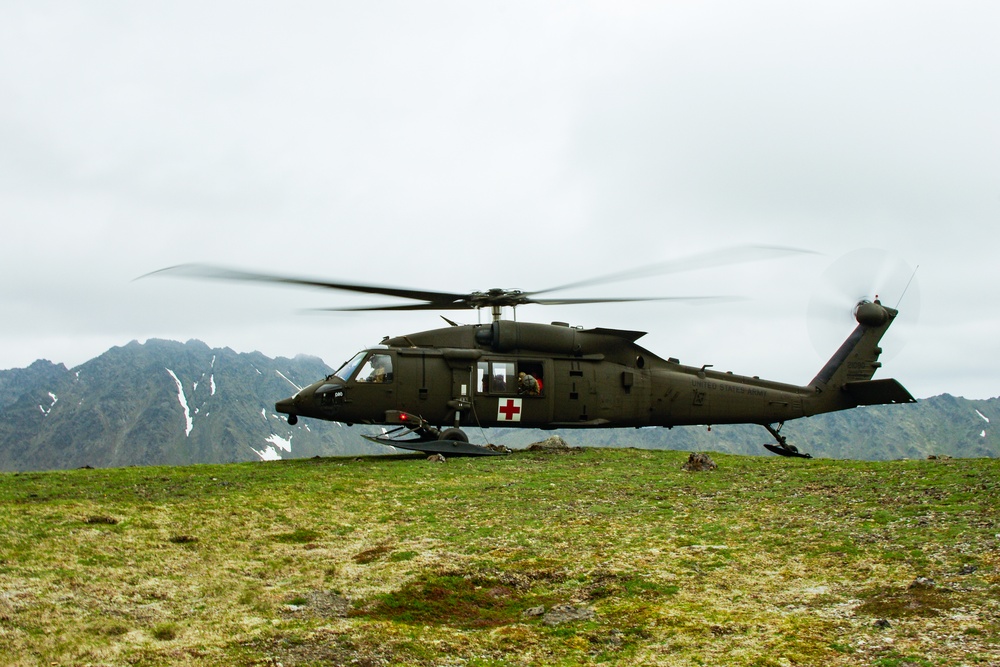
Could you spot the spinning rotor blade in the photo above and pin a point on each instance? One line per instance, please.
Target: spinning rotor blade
(706, 260)
(442, 300)
(427, 305)
(541, 302)
(687, 299)
(431, 300)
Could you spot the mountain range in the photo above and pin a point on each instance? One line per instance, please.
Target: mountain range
(169, 403)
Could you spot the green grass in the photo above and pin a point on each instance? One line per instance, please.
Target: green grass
(373, 561)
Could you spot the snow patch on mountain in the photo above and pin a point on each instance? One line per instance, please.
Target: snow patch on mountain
(271, 452)
(189, 422)
(285, 378)
(982, 434)
(47, 410)
(280, 442)
(268, 454)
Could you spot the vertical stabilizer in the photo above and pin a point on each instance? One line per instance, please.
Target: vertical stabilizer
(846, 379)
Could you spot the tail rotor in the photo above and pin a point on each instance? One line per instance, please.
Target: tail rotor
(860, 276)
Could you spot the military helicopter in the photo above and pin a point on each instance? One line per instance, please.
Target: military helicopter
(429, 387)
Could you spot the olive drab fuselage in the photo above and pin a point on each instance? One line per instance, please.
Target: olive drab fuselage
(471, 375)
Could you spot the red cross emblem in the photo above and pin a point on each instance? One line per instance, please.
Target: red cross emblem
(509, 410)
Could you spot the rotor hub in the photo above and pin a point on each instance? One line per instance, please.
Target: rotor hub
(871, 313)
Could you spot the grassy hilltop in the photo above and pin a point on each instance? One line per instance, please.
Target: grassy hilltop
(607, 556)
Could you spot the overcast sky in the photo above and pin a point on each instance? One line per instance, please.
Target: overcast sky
(459, 146)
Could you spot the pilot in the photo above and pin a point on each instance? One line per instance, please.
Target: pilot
(382, 369)
(527, 384)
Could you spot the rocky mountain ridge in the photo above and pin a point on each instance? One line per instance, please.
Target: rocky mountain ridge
(159, 403)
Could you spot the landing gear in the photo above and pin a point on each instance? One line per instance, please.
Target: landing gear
(783, 448)
(455, 434)
(417, 434)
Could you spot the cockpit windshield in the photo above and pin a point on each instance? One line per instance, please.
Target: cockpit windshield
(348, 368)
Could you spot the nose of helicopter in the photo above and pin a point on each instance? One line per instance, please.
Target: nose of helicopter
(305, 403)
(289, 406)
(285, 405)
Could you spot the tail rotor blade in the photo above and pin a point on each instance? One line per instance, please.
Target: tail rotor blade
(862, 275)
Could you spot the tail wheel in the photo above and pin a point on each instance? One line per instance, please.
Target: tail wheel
(453, 434)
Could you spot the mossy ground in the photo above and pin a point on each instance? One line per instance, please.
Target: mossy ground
(385, 561)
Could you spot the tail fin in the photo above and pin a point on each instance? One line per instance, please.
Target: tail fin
(846, 379)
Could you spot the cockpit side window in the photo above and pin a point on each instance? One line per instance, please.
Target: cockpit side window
(378, 368)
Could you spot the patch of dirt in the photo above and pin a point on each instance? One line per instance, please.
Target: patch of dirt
(320, 648)
(915, 601)
(321, 604)
(371, 555)
(458, 599)
(567, 613)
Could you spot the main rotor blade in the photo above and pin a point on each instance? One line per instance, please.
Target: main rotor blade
(706, 260)
(427, 305)
(465, 305)
(691, 299)
(432, 300)
(439, 299)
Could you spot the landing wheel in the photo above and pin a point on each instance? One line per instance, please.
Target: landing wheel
(453, 434)
(783, 448)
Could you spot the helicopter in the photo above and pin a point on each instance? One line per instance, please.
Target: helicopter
(426, 389)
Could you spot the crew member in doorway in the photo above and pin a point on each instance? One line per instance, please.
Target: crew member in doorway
(527, 384)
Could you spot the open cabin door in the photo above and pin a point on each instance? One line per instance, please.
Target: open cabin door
(513, 392)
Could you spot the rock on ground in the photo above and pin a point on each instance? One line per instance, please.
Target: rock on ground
(698, 461)
(551, 444)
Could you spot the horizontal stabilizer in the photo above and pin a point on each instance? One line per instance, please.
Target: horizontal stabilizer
(878, 392)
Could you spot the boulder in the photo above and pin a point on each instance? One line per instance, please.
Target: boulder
(698, 462)
(551, 444)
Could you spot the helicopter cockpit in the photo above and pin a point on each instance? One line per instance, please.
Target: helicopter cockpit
(375, 366)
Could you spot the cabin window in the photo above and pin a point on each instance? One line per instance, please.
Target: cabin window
(483, 377)
(502, 380)
(496, 377)
(505, 377)
(378, 369)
